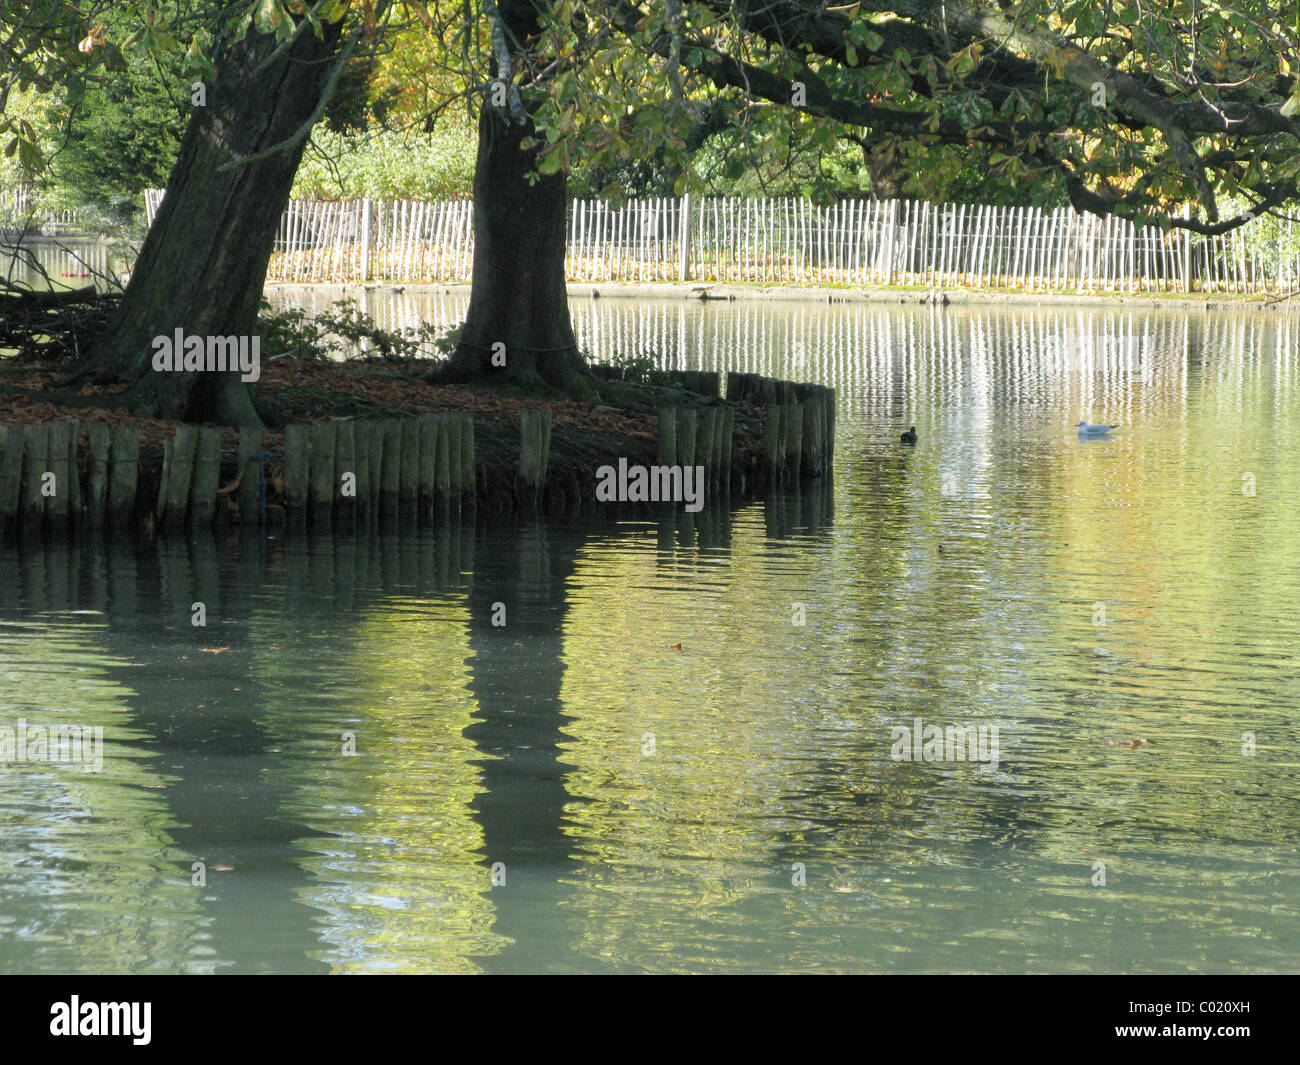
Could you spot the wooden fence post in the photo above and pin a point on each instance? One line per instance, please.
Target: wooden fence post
(684, 240)
(364, 269)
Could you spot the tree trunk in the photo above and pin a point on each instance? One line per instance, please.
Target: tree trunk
(203, 264)
(886, 169)
(518, 297)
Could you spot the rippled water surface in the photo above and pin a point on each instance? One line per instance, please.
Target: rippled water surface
(652, 808)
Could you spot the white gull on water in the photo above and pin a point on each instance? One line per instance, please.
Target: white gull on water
(1085, 429)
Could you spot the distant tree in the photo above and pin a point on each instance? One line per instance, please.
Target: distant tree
(116, 139)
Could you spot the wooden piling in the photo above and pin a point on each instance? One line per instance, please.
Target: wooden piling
(454, 467)
(774, 443)
(123, 474)
(666, 436)
(534, 449)
(814, 459)
(35, 466)
(467, 479)
(250, 475)
(688, 426)
(295, 471)
(408, 485)
(726, 432)
(178, 471)
(96, 475)
(62, 444)
(828, 398)
(206, 477)
(321, 486)
(371, 443)
(793, 441)
(14, 441)
(706, 440)
(390, 483)
(442, 464)
(428, 464)
(347, 489)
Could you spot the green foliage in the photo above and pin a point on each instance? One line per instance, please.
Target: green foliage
(382, 163)
(640, 369)
(346, 332)
(118, 139)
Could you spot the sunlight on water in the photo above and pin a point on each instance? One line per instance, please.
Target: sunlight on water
(1122, 610)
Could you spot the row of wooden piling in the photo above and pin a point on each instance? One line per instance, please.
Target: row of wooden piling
(697, 436)
(799, 436)
(407, 466)
(344, 469)
(337, 469)
(40, 478)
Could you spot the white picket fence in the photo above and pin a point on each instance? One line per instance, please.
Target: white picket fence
(788, 241)
(19, 207)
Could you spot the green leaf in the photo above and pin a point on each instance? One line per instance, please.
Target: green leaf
(268, 16)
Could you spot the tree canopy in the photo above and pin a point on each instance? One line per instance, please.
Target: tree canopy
(1126, 108)
(1184, 114)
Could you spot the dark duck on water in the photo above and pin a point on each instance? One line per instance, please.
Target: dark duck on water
(909, 437)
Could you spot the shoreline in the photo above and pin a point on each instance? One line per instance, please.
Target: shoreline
(370, 441)
(727, 292)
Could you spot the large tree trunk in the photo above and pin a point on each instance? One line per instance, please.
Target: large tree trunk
(203, 264)
(518, 297)
(887, 169)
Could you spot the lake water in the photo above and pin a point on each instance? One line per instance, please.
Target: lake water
(732, 805)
